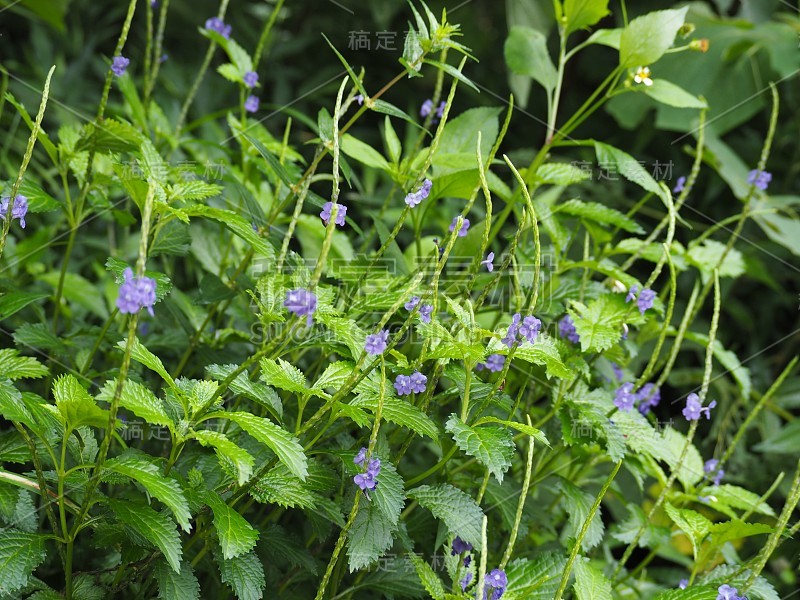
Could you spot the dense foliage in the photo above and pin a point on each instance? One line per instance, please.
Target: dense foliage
(290, 315)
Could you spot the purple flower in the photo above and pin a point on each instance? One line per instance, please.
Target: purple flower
(360, 99)
(726, 592)
(374, 467)
(624, 397)
(632, 293)
(711, 466)
(494, 363)
(645, 300)
(426, 108)
(302, 303)
(365, 481)
(412, 303)
(119, 64)
(136, 293)
(566, 329)
(465, 581)
(361, 456)
(649, 397)
(467, 560)
(418, 382)
(761, 179)
(153, 3)
(251, 104)
(218, 25)
(488, 262)
(163, 58)
(440, 110)
(377, 342)
(530, 328)
(511, 334)
(414, 198)
(617, 371)
(679, 185)
(464, 226)
(460, 546)
(341, 213)
(403, 385)
(683, 584)
(250, 80)
(18, 211)
(694, 408)
(718, 477)
(497, 581)
(425, 312)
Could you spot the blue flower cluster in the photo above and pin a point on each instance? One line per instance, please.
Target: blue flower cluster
(367, 480)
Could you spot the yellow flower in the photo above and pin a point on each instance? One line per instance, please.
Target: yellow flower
(643, 76)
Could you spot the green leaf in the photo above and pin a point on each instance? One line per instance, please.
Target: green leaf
(692, 523)
(260, 393)
(706, 257)
(389, 496)
(590, 583)
(13, 366)
(493, 447)
(534, 579)
(76, 405)
(629, 168)
(526, 429)
(12, 407)
(283, 375)
(733, 530)
(244, 575)
(578, 504)
(452, 71)
(138, 399)
(460, 513)
(784, 441)
(599, 325)
(193, 190)
(561, 174)
(599, 213)
(227, 450)
(282, 443)
(236, 223)
(400, 412)
(668, 93)
(236, 536)
(182, 585)
(148, 359)
(167, 490)
(737, 497)
(526, 54)
(368, 537)
(335, 375)
(581, 14)
(163, 283)
(428, 577)
(20, 554)
(157, 528)
(543, 352)
(648, 37)
(363, 153)
(75, 287)
(393, 144)
(12, 302)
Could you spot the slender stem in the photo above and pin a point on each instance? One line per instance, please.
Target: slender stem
(526, 482)
(553, 106)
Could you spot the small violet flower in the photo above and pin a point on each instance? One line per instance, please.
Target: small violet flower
(645, 299)
(302, 303)
(360, 99)
(408, 384)
(649, 397)
(119, 64)
(460, 546)
(683, 584)
(494, 363)
(251, 79)
(566, 329)
(711, 466)
(425, 312)
(218, 25)
(251, 104)
(412, 303)
(679, 185)
(464, 226)
(726, 592)
(369, 479)
(694, 409)
(414, 198)
(136, 293)
(624, 398)
(426, 108)
(440, 111)
(465, 581)
(18, 210)
(360, 457)
(617, 371)
(497, 582)
(530, 328)
(377, 342)
(488, 262)
(341, 213)
(761, 179)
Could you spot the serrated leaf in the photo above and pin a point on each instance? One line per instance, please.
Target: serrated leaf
(182, 585)
(521, 427)
(493, 447)
(460, 513)
(12, 302)
(157, 528)
(534, 579)
(400, 412)
(281, 374)
(236, 536)
(13, 366)
(599, 213)
(692, 523)
(370, 536)
(76, 405)
(242, 384)
(430, 580)
(334, 375)
(648, 37)
(543, 352)
(20, 554)
(139, 400)
(193, 190)
(389, 494)
(737, 497)
(578, 504)
(561, 174)
(148, 359)
(282, 443)
(599, 324)
(237, 224)
(244, 575)
(167, 490)
(227, 450)
(590, 583)
(628, 167)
